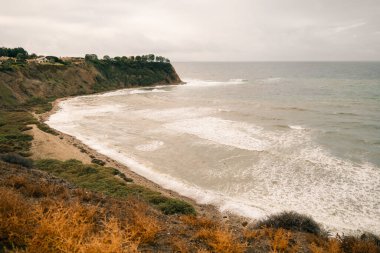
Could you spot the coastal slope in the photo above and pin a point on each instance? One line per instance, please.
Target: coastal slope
(30, 83)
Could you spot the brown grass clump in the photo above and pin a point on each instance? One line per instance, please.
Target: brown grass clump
(280, 240)
(14, 219)
(198, 222)
(334, 246)
(143, 227)
(31, 189)
(62, 228)
(365, 243)
(112, 239)
(221, 239)
(180, 245)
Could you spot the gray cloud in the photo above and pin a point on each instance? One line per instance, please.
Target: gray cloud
(241, 30)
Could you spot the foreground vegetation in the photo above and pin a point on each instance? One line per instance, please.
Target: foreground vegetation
(111, 182)
(43, 213)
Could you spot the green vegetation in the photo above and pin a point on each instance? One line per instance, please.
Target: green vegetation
(16, 159)
(98, 162)
(13, 52)
(103, 179)
(125, 72)
(291, 221)
(38, 105)
(12, 136)
(44, 127)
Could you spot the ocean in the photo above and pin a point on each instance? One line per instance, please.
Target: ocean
(250, 138)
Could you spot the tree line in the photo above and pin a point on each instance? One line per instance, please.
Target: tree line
(17, 52)
(138, 58)
(21, 54)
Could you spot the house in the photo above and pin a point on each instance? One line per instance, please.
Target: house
(42, 59)
(4, 59)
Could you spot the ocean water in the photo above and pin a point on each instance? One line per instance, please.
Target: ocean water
(250, 138)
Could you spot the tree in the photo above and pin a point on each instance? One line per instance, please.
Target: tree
(13, 52)
(159, 59)
(33, 56)
(151, 57)
(138, 58)
(106, 58)
(91, 57)
(21, 57)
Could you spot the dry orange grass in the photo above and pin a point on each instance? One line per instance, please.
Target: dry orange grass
(112, 239)
(218, 237)
(198, 222)
(280, 240)
(334, 246)
(143, 227)
(221, 239)
(59, 226)
(31, 189)
(62, 228)
(179, 245)
(14, 218)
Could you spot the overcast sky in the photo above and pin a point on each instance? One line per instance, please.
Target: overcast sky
(196, 30)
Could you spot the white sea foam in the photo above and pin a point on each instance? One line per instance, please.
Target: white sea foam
(296, 127)
(141, 91)
(150, 146)
(226, 132)
(290, 173)
(271, 80)
(174, 113)
(202, 196)
(197, 82)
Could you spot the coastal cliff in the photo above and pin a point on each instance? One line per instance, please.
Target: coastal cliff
(23, 83)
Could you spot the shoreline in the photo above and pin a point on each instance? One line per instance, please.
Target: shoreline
(73, 145)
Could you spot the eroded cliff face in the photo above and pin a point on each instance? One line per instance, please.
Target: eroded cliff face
(33, 80)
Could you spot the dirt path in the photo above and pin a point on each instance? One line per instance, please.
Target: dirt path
(45, 145)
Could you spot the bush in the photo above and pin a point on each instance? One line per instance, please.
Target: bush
(116, 172)
(45, 128)
(366, 243)
(98, 162)
(291, 221)
(171, 206)
(17, 159)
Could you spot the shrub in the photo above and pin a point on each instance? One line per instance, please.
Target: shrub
(291, 221)
(116, 172)
(366, 243)
(221, 239)
(44, 127)
(172, 206)
(98, 161)
(17, 159)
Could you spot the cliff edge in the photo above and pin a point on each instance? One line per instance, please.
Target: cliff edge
(22, 83)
